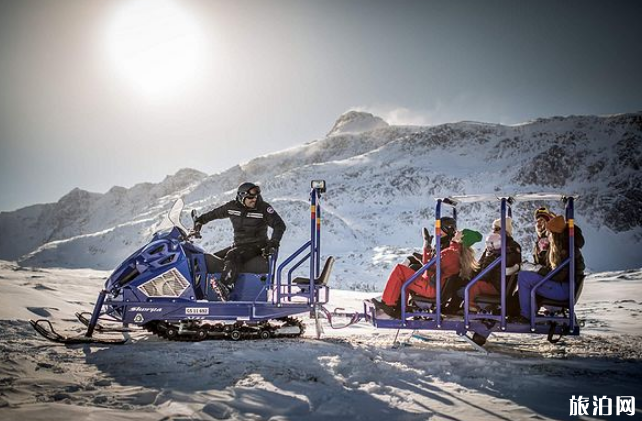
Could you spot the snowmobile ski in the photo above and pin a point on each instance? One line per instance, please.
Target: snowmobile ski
(82, 317)
(51, 334)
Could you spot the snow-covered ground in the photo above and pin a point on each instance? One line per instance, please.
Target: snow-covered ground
(349, 374)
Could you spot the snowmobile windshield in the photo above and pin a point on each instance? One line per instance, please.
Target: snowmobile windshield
(173, 219)
(174, 215)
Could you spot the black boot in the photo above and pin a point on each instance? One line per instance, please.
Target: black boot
(221, 289)
(453, 306)
(520, 319)
(393, 312)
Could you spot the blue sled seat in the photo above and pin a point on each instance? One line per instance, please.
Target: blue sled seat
(511, 287)
(428, 303)
(553, 304)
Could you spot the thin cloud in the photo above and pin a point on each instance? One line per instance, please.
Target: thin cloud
(397, 116)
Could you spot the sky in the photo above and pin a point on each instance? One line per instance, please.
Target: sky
(95, 94)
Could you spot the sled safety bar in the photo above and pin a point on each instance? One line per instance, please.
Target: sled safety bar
(505, 212)
(313, 246)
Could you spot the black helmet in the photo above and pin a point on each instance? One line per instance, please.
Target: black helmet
(246, 190)
(448, 226)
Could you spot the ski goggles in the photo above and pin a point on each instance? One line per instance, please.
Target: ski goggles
(253, 193)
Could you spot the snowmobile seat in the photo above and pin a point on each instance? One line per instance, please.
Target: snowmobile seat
(249, 285)
(322, 280)
(215, 263)
(257, 264)
(511, 287)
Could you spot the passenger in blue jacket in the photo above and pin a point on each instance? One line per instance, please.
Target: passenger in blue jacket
(250, 217)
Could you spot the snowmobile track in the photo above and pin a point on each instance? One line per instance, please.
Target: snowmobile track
(237, 331)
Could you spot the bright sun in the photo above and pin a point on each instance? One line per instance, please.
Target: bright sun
(155, 45)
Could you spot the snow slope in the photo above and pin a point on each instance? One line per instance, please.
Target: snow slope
(382, 181)
(349, 374)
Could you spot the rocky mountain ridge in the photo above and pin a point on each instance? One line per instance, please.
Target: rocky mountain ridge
(382, 184)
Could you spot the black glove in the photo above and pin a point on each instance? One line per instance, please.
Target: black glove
(196, 231)
(427, 238)
(273, 243)
(414, 261)
(271, 247)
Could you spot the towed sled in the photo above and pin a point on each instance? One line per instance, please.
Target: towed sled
(169, 288)
(425, 314)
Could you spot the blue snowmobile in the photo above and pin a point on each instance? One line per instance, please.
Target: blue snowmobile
(168, 287)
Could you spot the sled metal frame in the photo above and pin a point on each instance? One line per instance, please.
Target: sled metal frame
(485, 324)
(281, 305)
(315, 294)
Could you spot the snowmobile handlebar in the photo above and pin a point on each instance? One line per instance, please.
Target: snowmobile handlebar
(195, 232)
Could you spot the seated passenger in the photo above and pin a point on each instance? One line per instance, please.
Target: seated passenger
(556, 288)
(542, 216)
(457, 258)
(448, 228)
(491, 283)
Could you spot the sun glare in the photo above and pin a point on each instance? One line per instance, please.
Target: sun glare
(155, 45)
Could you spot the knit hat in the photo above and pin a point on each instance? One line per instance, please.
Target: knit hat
(448, 225)
(470, 237)
(497, 225)
(556, 225)
(544, 213)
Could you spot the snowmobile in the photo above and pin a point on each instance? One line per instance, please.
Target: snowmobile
(426, 314)
(168, 287)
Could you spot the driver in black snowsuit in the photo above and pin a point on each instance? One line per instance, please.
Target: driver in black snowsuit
(250, 217)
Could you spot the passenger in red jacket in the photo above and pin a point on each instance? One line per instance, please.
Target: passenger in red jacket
(456, 259)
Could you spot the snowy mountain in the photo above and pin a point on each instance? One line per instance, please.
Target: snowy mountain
(357, 122)
(382, 181)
